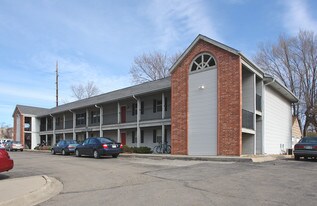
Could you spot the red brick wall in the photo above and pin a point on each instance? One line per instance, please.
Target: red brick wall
(229, 104)
(21, 126)
(229, 100)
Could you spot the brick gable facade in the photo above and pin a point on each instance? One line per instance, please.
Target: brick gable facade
(229, 100)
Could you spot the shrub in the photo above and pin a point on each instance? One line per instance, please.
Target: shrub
(140, 150)
(127, 149)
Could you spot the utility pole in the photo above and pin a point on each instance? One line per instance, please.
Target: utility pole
(56, 83)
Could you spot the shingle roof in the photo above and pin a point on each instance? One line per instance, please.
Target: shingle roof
(31, 110)
(148, 87)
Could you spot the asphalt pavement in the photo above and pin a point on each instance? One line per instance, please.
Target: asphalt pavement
(44, 179)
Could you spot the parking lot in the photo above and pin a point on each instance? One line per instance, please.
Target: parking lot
(138, 181)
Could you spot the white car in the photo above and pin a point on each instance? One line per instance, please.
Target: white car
(14, 146)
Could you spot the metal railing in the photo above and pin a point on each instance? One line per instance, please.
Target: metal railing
(258, 103)
(247, 119)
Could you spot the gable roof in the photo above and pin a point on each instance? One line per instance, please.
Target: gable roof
(28, 110)
(267, 78)
(206, 39)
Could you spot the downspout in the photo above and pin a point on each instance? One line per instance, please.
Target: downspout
(100, 120)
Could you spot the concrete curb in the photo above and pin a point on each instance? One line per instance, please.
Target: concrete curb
(252, 158)
(185, 157)
(40, 151)
(51, 188)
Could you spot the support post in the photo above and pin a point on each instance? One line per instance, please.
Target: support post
(163, 105)
(87, 123)
(138, 133)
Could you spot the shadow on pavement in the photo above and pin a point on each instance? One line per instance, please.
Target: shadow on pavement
(3, 176)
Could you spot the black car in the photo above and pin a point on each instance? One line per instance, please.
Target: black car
(64, 147)
(306, 147)
(99, 146)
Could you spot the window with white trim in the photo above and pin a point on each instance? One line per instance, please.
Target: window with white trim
(203, 61)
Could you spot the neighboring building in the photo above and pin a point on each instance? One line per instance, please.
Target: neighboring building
(296, 131)
(216, 102)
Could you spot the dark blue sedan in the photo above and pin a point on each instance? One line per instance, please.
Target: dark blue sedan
(306, 147)
(64, 147)
(99, 146)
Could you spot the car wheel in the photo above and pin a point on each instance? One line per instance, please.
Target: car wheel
(52, 151)
(296, 157)
(115, 155)
(21, 150)
(63, 152)
(77, 153)
(96, 154)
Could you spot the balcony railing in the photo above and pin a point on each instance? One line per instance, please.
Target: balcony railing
(247, 119)
(258, 103)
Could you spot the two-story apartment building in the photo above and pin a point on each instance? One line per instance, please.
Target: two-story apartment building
(216, 102)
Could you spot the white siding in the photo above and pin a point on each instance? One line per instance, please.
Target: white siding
(278, 122)
(202, 113)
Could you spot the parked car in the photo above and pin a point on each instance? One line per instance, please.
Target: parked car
(2, 146)
(99, 146)
(64, 147)
(306, 147)
(14, 146)
(6, 163)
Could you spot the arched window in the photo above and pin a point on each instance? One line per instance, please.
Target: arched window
(203, 61)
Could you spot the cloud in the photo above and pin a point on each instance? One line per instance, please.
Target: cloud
(74, 70)
(177, 18)
(298, 15)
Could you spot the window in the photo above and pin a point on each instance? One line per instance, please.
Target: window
(165, 104)
(142, 107)
(154, 136)
(81, 119)
(94, 117)
(142, 136)
(93, 141)
(58, 121)
(203, 61)
(135, 108)
(133, 137)
(157, 105)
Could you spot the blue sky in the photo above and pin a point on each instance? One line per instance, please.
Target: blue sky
(97, 40)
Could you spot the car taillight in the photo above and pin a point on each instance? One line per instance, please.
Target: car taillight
(105, 146)
(315, 147)
(299, 146)
(121, 146)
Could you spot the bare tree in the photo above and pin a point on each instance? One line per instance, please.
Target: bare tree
(151, 66)
(294, 61)
(81, 91)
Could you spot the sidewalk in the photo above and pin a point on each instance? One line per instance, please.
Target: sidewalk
(28, 190)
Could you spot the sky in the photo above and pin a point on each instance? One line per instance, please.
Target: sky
(97, 40)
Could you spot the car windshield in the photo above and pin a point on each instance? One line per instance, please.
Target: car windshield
(311, 140)
(105, 140)
(71, 141)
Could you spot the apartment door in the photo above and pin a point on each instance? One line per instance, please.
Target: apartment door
(123, 112)
(123, 139)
